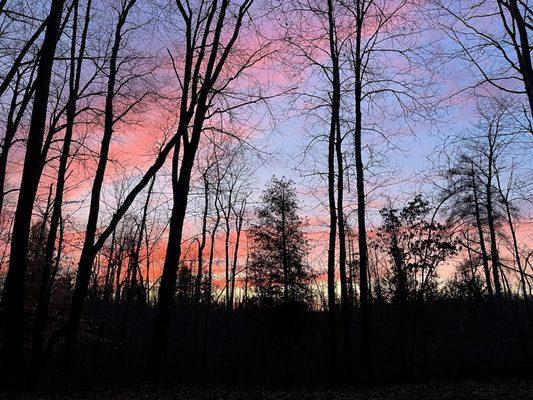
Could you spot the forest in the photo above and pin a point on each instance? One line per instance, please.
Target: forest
(265, 193)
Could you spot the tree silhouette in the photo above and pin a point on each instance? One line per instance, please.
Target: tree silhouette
(416, 244)
(277, 267)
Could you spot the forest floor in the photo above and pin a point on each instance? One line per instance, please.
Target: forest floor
(506, 389)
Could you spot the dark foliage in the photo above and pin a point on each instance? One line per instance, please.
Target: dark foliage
(278, 268)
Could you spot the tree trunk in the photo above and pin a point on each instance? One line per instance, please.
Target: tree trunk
(481, 236)
(365, 354)
(331, 195)
(203, 240)
(200, 102)
(284, 252)
(239, 222)
(227, 213)
(167, 286)
(523, 276)
(523, 49)
(142, 234)
(13, 297)
(41, 314)
(492, 229)
(88, 251)
(203, 357)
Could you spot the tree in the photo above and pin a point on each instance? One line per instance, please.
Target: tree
(482, 184)
(76, 60)
(466, 282)
(17, 48)
(211, 66)
(465, 205)
(383, 51)
(13, 297)
(277, 268)
(235, 191)
(87, 255)
(336, 216)
(212, 179)
(14, 118)
(512, 213)
(517, 20)
(494, 38)
(416, 245)
(482, 156)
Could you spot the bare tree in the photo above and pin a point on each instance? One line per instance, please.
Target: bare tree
(76, 61)
(517, 17)
(110, 119)
(510, 214)
(333, 149)
(17, 109)
(209, 48)
(494, 38)
(384, 32)
(19, 54)
(13, 297)
(474, 181)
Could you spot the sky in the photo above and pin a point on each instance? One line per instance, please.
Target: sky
(410, 158)
(408, 163)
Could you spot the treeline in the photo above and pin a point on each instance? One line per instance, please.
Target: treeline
(135, 242)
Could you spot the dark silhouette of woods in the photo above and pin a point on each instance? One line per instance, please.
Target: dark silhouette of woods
(143, 238)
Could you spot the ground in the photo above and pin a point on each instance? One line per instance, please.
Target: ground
(505, 389)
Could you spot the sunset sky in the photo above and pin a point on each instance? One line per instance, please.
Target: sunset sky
(277, 137)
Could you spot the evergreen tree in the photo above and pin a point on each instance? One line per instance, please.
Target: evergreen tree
(278, 269)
